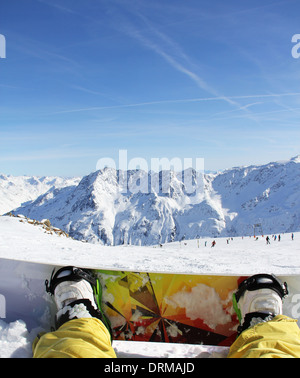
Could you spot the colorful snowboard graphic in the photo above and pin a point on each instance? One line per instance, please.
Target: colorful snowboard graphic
(171, 308)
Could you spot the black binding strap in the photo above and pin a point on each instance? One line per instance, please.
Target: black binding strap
(75, 274)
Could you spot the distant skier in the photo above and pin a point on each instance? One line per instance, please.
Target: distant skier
(279, 238)
(268, 240)
(213, 244)
(292, 236)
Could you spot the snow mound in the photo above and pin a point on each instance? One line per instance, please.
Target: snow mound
(15, 340)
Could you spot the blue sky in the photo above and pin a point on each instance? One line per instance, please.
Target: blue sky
(162, 78)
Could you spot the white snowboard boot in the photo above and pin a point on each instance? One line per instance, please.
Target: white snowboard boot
(259, 299)
(75, 293)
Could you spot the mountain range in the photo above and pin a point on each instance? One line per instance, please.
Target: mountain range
(146, 208)
(17, 190)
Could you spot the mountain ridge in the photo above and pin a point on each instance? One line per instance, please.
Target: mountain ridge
(136, 207)
(17, 190)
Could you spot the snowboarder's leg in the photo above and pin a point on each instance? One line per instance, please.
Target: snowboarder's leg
(277, 338)
(78, 338)
(264, 331)
(82, 329)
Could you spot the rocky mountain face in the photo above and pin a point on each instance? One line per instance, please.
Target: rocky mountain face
(136, 207)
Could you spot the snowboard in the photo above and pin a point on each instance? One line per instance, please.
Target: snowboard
(141, 306)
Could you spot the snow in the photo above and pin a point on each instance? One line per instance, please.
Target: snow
(242, 255)
(22, 241)
(15, 340)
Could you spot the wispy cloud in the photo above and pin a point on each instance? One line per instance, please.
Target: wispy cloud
(87, 90)
(47, 154)
(171, 52)
(190, 100)
(57, 6)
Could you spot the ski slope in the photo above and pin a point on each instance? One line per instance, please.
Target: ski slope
(243, 256)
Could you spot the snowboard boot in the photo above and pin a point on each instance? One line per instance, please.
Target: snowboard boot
(259, 299)
(77, 294)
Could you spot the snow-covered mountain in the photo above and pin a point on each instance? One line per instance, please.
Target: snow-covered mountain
(267, 194)
(17, 190)
(146, 211)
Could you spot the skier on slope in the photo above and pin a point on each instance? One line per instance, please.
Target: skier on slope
(83, 331)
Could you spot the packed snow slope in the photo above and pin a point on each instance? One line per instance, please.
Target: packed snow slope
(20, 240)
(114, 207)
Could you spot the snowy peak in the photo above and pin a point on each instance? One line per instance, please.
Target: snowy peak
(15, 191)
(296, 159)
(267, 194)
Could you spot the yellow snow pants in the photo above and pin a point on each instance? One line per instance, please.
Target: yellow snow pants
(278, 338)
(89, 338)
(78, 338)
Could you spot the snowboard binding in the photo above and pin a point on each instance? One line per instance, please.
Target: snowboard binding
(69, 273)
(259, 299)
(77, 293)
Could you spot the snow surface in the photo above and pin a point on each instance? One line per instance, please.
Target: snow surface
(243, 256)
